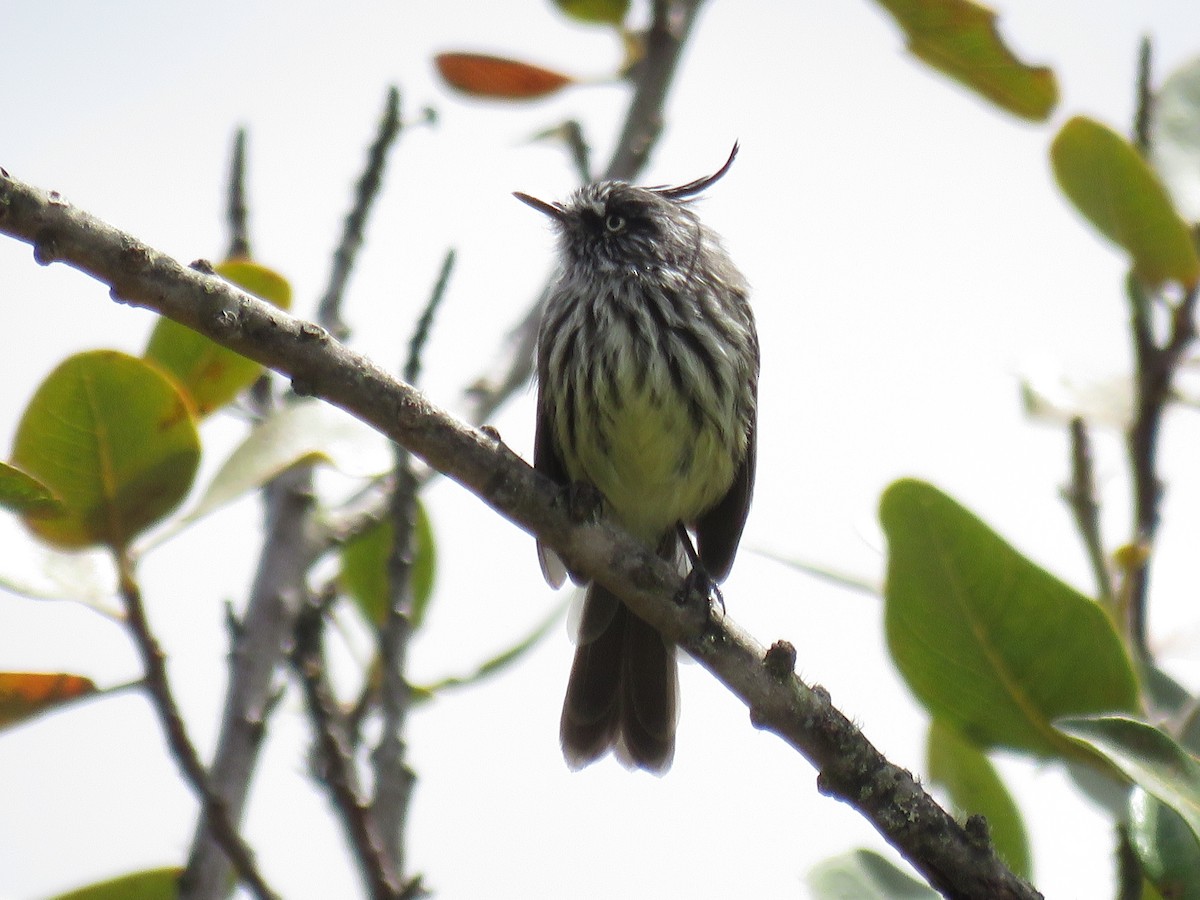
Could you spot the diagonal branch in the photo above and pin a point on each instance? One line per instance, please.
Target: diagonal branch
(958, 862)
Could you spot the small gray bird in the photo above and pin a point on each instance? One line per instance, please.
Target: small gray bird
(647, 391)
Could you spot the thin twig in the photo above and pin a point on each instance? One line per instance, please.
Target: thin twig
(237, 212)
(951, 859)
(1144, 111)
(183, 750)
(581, 153)
(416, 344)
(1080, 495)
(394, 778)
(336, 760)
(329, 310)
(1155, 368)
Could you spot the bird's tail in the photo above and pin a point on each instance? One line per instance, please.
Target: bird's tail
(623, 688)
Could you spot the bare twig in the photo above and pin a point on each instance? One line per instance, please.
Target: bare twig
(336, 760)
(581, 153)
(1144, 111)
(237, 211)
(215, 812)
(1080, 495)
(329, 311)
(416, 344)
(1155, 368)
(956, 862)
(394, 778)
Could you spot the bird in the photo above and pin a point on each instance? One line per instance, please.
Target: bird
(647, 372)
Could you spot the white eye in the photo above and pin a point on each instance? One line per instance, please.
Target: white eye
(614, 222)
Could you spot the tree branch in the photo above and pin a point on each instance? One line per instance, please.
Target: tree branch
(215, 812)
(335, 760)
(1080, 495)
(956, 862)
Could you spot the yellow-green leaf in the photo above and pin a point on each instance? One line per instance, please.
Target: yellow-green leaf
(22, 493)
(115, 440)
(975, 788)
(605, 12)
(364, 569)
(153, 884)
(27, 694)
(211, 374)
(959, 39)
(1112, 186)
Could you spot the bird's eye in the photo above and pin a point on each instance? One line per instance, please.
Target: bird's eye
(614, 222)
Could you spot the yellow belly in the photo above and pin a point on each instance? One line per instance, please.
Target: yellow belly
(652, 463)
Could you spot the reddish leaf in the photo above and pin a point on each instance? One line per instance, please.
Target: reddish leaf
(498, 78)
(25, 694)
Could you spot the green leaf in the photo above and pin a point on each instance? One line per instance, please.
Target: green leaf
(153, 884)
(497, 663)
(865, 875)
(1148, 756)
(364, 569)
(22, 493)
(1175, 137)
(24, 695)
(959, 39)
(990, 643)
(211, 374)
(115, 440)
(975, 788)
(1165, 846)
(1112, 186)
(606, 12)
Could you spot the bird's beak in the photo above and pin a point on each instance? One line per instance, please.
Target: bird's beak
(553, 211)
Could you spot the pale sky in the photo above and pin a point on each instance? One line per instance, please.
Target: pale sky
(910, 258)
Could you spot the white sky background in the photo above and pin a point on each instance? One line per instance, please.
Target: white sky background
(910, 256)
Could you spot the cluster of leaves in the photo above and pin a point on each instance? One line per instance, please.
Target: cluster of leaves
(1002, 654)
